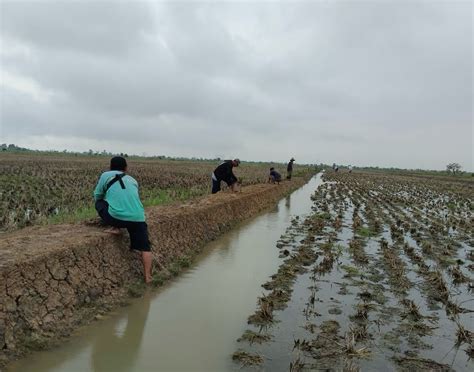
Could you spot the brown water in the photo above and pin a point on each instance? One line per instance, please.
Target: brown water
(191, 324)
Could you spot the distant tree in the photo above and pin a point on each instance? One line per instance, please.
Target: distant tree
(125, 155)
(453, 168)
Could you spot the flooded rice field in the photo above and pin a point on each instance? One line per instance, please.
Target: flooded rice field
(378, 277)
(359, 271)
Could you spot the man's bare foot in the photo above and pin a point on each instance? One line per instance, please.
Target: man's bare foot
(113, 230)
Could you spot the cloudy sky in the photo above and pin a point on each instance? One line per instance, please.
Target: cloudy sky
(379, 82)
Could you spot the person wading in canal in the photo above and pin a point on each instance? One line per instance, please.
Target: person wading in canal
(118, 204)
(224, 172)
(289, 169)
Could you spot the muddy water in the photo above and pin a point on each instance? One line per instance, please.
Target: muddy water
(191, 324)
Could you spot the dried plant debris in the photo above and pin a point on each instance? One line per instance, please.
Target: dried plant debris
(463, 335)
(254, 337)
(297, 365)
(247, 359)
(457, 275)
(264, 313)
(410, 364)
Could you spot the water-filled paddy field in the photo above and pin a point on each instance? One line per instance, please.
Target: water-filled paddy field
(378, 277)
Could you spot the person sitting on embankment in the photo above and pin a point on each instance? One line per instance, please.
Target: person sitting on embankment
(274, 176)
(224, 173)
(118, 204)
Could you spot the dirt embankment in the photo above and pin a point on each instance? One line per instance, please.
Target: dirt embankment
(54, 278)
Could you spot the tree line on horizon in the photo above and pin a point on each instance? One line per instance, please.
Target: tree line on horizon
(451, 168)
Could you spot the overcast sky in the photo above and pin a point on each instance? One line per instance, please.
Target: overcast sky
(385, 83)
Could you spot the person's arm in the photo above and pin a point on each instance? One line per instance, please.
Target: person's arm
(99, 189)
(233, 180)
(235, 185)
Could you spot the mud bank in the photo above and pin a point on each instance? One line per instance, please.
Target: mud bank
(55, 278)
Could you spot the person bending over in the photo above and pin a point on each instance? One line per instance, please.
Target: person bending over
(274, 176)
(224, 172)
(118, 204)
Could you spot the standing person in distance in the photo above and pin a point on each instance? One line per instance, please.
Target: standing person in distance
(118, 204)
(224, 172)
(289, 169)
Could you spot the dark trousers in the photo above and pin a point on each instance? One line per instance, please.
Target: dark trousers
(216, 186)
(138, 231)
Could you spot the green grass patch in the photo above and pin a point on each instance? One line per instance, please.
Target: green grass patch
(136, 289)
(350, 270)
(167, 196)
(324, 215)
(339, 249)
(159, 279)
(79, 214)
(150, 198)
(184, 261)
(35, 342)
(327, 247)
(158, 198)
(365, 232)
(175, 269)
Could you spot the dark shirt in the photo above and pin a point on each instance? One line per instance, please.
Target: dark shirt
(224, 172)
(276, 176)
(289, 168)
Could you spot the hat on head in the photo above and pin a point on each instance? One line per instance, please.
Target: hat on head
(292, 159)
(237, 161)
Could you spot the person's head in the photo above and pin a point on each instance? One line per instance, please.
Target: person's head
(118, 163)
(235, 162)
(271, 169)
(292, 160)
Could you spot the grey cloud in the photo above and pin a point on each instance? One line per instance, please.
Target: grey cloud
(100, 27)
(343, 81)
